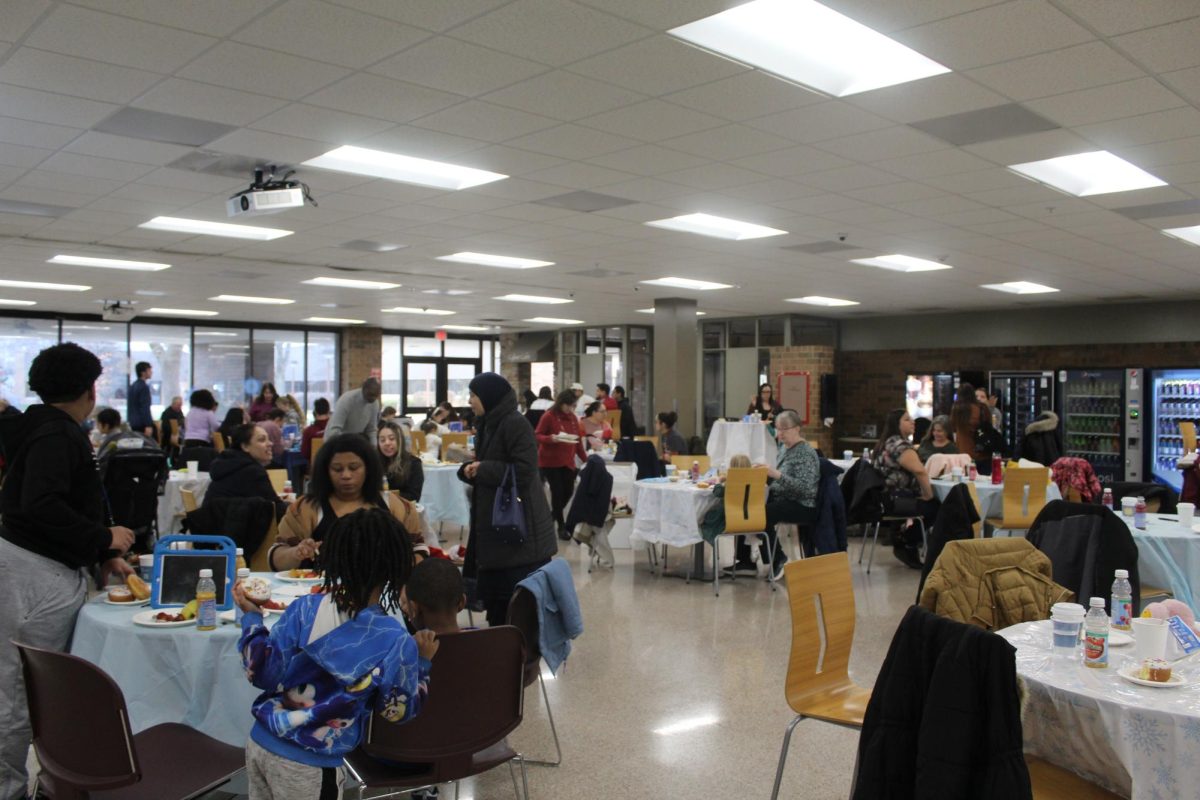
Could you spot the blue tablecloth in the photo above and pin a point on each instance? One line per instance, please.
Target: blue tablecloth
(1168, 555)
(296, 465)
(444, 497)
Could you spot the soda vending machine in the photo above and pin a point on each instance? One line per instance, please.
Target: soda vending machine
(928, 395)
(1021, 396)
(1092, 410)
(1173, 396)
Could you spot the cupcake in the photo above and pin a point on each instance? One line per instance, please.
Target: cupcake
(257, 590)
(1155, 669)
(119, 594)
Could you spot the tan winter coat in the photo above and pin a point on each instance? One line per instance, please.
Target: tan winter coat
(992, 583)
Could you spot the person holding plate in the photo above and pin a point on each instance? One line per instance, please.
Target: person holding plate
(559, 442)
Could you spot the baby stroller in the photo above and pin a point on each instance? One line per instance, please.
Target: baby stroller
(133, 479)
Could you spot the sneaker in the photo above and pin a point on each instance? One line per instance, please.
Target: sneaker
(563, 533)
(741, 568)
(777, 569)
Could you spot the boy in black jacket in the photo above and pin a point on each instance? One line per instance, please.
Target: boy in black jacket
(54, 527)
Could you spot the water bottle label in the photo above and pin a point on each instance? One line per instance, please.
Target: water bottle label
(1122, 613)
(1095, 648)
(206, 614)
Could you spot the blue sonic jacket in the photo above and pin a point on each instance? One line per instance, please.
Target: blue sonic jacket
(318, 697)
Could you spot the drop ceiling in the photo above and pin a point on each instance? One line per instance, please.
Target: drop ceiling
(116, 111)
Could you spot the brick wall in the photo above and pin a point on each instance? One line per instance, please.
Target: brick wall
(871, 382)
(361, 352)
(816, 360)
(511, 370)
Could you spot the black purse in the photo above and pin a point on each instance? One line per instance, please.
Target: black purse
(508, 512)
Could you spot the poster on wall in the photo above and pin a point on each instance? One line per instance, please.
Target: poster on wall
(792, 389)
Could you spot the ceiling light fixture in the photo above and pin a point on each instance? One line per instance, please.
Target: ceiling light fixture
(244, 298)
(899, 263)
(108, 263)
(554, 321)
(1190, 234)
(1086, 174)
(818, 300)
(433, 312)
(464, 327)
(334, 320)
(351, 283)
(533, 298)
(489, 260)
(687, 283)
(1019, 287)
(406, 169)
(807, 43)
(4, 302)
(187, 312)
(719, 227)
(651, 311)
(206, 228)
(53, 287)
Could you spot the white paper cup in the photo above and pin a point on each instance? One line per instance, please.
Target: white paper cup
(956, 474)
(1067, 622)
(671, 470)
(1187, 514)
(193, 467)
(1149, 637)
(146, 567)
(1127, 505)
(847, 455)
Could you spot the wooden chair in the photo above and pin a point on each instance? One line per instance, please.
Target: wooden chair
(684, 463)
(654, 440)
(1051, 782)
(449, 439)
(818, 686)
(418, 443)
(978, 526)
(173, 427)
(218, 441)
(614, 419)
(317, 441)
(258, 560)
(278, 479)
(1188, 431)
(745, 515)
(1024, 497)
(189, 500)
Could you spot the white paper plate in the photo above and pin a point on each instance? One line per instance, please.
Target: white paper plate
(286, 577)
(227, 616)
(146, 618)
(566, 437)
(1130, 673)
(291, 591)
(130, 604)
(1118, 638)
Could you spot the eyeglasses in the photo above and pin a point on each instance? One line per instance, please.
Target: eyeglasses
(780, 428)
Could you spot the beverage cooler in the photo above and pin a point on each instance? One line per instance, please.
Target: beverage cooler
(1092, 410)
(928, 395)
(1173, 396)
(1021, 397)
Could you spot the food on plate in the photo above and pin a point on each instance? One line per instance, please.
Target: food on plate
(257, 590)
(1155, 669)
(306, 574)
(167, 616)
(139, 588)
(189, 610)
(273, 605)
(119, 594)
(703, 485)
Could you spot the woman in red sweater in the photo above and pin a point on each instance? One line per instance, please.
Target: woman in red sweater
(559, 441)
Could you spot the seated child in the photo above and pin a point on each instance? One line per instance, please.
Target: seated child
(332, 660)
(433, 442)
(433, 596)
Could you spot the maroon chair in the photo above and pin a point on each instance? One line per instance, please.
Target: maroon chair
(87, 751)
(476, 698)
(523, 615)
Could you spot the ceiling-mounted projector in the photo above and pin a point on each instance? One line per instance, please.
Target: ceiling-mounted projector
(268, 195)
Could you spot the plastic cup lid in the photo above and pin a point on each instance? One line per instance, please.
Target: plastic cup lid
(1067, 610)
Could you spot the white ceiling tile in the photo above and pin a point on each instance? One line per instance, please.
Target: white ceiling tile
(53, 72)
(997, 33)
(712, 176)
(1186, 82)
(661, 14)
(214, 17)
(324, 32)
(490, 122)
(1029, 193)
(578, 175)
(59, 109)
(1033, 147)
(1080, 67)
(1179, 151)
(252, 69)
(897, 15)
(116, 40)
(792, 162)
(383, 98)
(422, 143)
(166, 198)
(1159, 126)
(14, 155)
(652, 121)
(886, 143)
(18, 16)
(939, 96)
(573, 142)
(857, 176)
(35, 134)
(510, 160)
(75, 182)
(1103, 103)
(924, 166)
(91, 166)
(896, 193)
(982, 179)
(208, 102)
(656, 66)
(648, 159)
(275, 148)
(434, 16)
(933, 207)
(727, 143)
(822, 121)
(745, 96)
(564, 95)
(1167, 47)
(126, 149)
(321, 123)
(645, 189)
(54, 197)
(191, 181)
(459, 67)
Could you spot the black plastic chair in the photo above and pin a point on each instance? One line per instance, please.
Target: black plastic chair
(523, 615)
(87, 751)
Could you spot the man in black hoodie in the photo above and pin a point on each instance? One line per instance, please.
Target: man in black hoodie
(54, 528)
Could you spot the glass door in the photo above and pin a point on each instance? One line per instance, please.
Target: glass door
(429, 381)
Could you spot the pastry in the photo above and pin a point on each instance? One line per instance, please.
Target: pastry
(140, 589)
(257, 590)
(1155, 669)
(119, 594)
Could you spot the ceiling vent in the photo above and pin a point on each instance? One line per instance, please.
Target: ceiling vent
(985, 125)
(584, 201)
(155, 126)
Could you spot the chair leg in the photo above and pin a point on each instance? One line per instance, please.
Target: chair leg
(524, 779)
(512, 773)
(862, 551)
(776, 551)
(874, 544)
(787, 740)
(924, 540)
(717, 566)
(553, 730)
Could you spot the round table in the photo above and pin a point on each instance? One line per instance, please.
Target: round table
(170, 504)
(668, 512)
(727, 439)
(444, 497)
(1137, 741)
(991, 495)
(1168, 554)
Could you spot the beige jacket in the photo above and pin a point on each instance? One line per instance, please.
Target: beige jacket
(992, 583)
(302, 519)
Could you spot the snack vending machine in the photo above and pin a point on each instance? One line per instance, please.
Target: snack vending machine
(1021, 396)
(1093, 412)
(1173, 396)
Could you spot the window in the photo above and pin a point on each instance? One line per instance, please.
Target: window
(418, 346)
(741, 333)
(770, 331)
(462, 348)
(278, 358)
(168, 349)
(109, 341)
(322, 369)
(712, 387)
(222, 364)
(713, 335)
(21, 340)
(390, 372)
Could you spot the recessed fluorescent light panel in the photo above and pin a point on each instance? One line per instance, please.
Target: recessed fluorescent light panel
(901, 263)
(109, 263)
(1191, 234)
(533, 298)
(464, 327)
(1086, 174)
(805, 42)
(54, 287)
(351, 283)
(651, 311)
(555, 321)
(205, 228)
(433, 312)
(334, 320)
(4, 302)
(489, 260)
(719, 227)
(818, 300)
(242, 298)
(188, 312)
(449, 292)
(406, 169)
(1019, 287)
(687, 283)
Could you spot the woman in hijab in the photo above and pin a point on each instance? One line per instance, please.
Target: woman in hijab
(503, 438)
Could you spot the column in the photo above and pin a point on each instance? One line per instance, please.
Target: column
(361, 356)
(675, 362)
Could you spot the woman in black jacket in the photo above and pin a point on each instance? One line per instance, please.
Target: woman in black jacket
(503, 437)
(240, 470)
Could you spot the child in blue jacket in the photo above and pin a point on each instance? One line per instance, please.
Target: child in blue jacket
(333, 660)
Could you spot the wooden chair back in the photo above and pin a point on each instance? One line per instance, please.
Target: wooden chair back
(614, 419)
(258, 561)
(317, 441)
(157, 431)
(684, 463)
(1188, 431)
(218, 441)
(821, 597)
(173, 428)
(1024, 497)
(978, 526)
(418, 442)
(654, 440)
(189, 500)
(278, 479)
(746, 500)
(449, 439)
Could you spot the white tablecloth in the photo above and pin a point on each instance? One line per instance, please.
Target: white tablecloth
(991, 496)
(668, 513)
(1168, 555)
(624, 475)
(1138, 741)
(170, 505)
(445, 497)
(752, 439)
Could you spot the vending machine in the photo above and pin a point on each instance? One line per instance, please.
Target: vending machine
(1172, 396)
(1092, 411)
(1021, 396)
(928, 395)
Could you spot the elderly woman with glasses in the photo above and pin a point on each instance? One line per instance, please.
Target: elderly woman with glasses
(792, 497)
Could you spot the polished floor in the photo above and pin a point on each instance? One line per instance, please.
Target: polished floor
(674, 693)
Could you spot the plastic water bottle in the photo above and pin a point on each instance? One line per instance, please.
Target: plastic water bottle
(287, 487)
(1095, 636)
(695, 471)
(1122, 601)
(240, 560)
(206, 602)
(1107, 499)
(866, 454)
(242, 574)
(1139, 514)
